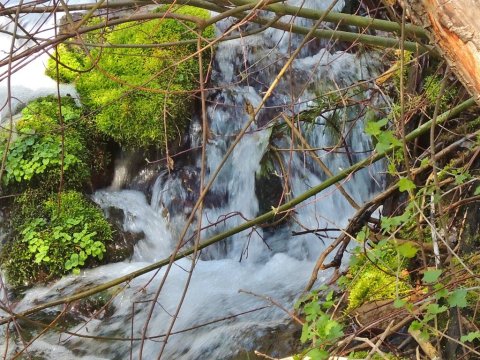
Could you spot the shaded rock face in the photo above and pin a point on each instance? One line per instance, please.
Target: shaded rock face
(277, 342)
(94, 307)
(4, 229)
(123, 244)
(269, 190)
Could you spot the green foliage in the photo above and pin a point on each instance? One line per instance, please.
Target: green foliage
(356, 355)
(471, 336)
(378, 277)
(431, 276)
(407, 58)
(319, 329)
(71, 62)
(383, 138)
(54, 238)
(457, 298)
(35, 155)
(327, 110)
(440, 304)
(404, 221)
(405, 184)
(408, 250)
(137, 91)
(432, 85)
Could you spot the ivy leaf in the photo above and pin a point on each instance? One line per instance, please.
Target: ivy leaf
(470, 336)
(431, 276)
(407, 250)
(458, 298)
(405, 184)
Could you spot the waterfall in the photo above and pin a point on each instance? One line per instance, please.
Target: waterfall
(28, 80)
(267, 262)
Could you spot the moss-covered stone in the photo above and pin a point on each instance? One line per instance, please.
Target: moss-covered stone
(142, 97)
(54, 237)
(40, 151)
(377, 278)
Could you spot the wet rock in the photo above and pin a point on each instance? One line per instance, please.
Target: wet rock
(278, 341)
(103, 169)
(94, 307)
(123, 244)
(268, 188)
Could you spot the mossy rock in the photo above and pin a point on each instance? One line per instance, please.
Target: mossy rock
(380, 277)
(40, 153)
(142, 97)
(57, 236)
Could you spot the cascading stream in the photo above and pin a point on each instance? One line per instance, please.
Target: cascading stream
(28, 80)
(273, 262)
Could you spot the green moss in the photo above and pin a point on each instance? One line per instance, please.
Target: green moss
(398, 74)
(54, 238)
(135, 92)
(375, 278)
(73, 59)
(432, 86)
(35, 155)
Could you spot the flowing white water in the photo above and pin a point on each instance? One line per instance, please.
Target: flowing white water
(28, 80)
(274, 263)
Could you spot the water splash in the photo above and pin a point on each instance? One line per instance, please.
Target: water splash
(274, 263)
(27, 80)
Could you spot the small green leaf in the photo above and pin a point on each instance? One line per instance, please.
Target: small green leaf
(458, 298)
(415, 326)
(318, 354)
(440, 291)
(305, 333)
(460, 178)
(424, 334)
(477, 191)
(405, 184)
(407, 250)
(362, 235)
(431, 276)
(399, 303)
(470, 336)
(435, 309)
(386, 140)
(374, 128)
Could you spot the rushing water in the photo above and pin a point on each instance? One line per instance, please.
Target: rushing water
(27, 80)
(273, 262)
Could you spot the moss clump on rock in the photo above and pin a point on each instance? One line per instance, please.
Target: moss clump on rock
(59, 236)
(35, 154)
(71, 63)
(142, 96)
(376, 278)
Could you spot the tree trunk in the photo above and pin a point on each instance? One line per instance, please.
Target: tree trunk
(454, 27)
